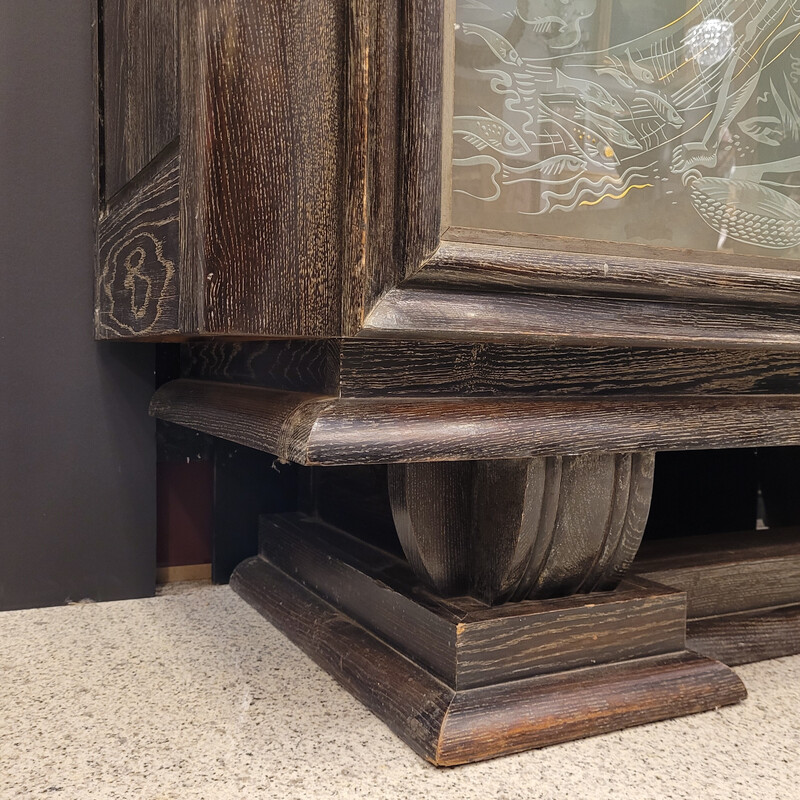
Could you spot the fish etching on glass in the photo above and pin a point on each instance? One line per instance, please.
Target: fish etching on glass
(688, 114)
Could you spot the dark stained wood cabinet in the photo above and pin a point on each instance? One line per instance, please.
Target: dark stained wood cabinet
(511, 250)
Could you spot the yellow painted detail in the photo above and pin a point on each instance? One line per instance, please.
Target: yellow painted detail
(616, 196)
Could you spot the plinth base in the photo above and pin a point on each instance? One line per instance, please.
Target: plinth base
(460, 681)
(743, 591)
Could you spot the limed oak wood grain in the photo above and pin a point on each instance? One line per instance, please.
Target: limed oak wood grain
(437, 313)
(263, 85)
(138, 250)
(140, 85)
(408, 368)
(290, 365)
(515, 262)
(519, 529)
(464, 642)
(450, 727)
(374, 368)
(321, 430)
(743, 591)
(749, 636)
(727, 573)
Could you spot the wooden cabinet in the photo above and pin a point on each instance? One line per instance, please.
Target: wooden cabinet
(510, 249)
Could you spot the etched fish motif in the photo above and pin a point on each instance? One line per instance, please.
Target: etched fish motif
(550, 168)
(619, 76)
(492, 132)
(565, 15)
(546, 24)
(498, 44)
(589, 91)
(766, 130)
(638, 71)
(609, 129)
(662, 107)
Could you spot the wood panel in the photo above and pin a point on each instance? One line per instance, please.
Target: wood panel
(743, 590)
(140, 98)
(406, 368)
(313, 429)
(263, 158)
(414, 368)
(442, 314)
(138, 247)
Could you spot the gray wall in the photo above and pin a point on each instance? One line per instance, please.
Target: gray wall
(77, 457)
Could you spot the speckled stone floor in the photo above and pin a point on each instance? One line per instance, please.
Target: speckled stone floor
(193, 695)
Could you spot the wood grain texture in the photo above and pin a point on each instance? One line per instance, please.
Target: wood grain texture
(743, 591)
(358, 113)
(263, 158)
(516, 262)
(138, 244)
(140, 72)
(406, 368)
(384, 234)
(418, 368)
(537, 712)
(292, 365)
(448, 727)
(446, 314)
(405, 696)
(422, 93)
(463, 642)
(727, 573)
(751, 636)
(275, 422)
(520, 529)
(394, 147)
(319, 430)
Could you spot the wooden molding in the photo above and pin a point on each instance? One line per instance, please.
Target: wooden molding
(514, 262)
(444, 313)
(328, 431)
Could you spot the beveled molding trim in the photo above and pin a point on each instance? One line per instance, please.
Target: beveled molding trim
(434, 312)
(313, 429)
(513, 261)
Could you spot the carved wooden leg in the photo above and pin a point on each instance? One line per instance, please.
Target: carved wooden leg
(522, 529)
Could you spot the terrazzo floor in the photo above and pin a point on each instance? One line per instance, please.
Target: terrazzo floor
(193, 695)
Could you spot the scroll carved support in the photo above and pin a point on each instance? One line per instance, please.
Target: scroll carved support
(524, 528)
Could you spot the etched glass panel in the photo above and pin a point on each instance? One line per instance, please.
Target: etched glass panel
(662, 122)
